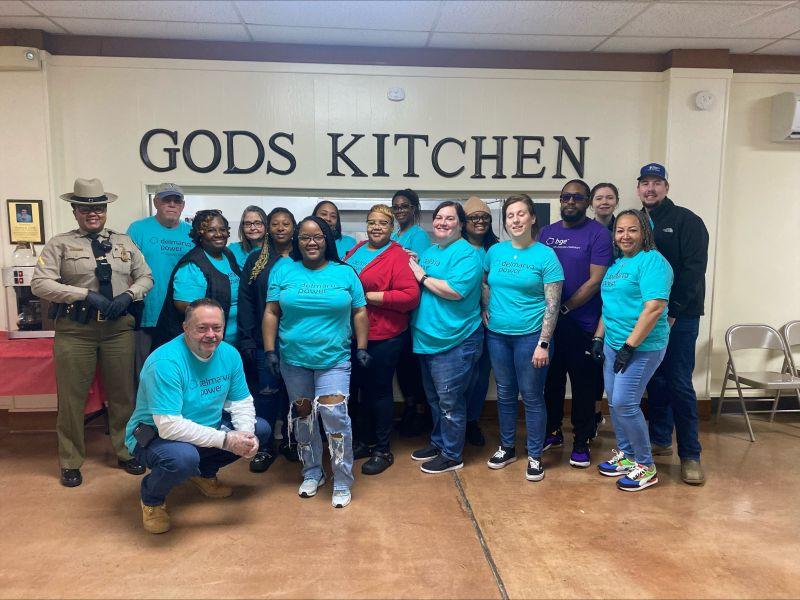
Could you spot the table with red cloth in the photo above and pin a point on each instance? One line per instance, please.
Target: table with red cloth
(27, 368)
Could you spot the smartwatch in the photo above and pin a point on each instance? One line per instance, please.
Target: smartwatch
(564, 309)
(422, 280)
(544, 345)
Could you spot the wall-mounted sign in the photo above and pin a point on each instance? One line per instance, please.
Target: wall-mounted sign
(25, 221)
(535, 156)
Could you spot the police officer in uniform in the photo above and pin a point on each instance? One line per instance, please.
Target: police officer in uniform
(94, 278)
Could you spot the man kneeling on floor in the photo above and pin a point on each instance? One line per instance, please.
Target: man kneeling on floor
(194, 413)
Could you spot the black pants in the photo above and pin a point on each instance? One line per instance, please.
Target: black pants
(375, 406)
(409, 374)
(570, 344)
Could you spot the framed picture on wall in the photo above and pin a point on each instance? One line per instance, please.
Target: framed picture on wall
(25, 221)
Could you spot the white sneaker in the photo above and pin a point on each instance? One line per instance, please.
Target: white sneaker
(341, 498)
(309, 486)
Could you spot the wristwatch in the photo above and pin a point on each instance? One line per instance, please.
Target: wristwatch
(564, 309)
(422, 280)
(544, 345)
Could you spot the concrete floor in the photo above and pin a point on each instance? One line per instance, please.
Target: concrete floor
(475, 534)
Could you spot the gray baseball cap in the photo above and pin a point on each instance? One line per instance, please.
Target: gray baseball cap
(169, 189)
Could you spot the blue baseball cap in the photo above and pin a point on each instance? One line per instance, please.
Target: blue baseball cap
(652, 170)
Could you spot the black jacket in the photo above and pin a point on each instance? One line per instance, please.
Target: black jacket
(218, 287)
(252, 303)
(682, 238)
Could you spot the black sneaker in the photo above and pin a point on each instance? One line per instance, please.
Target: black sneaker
(504, 456)
(378, 463)
(474, 434)
(441, 464)
(262, 461)
(426, 453)
(554, 439)
(535, 470)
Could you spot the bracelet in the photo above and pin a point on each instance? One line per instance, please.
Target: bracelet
(422, 281)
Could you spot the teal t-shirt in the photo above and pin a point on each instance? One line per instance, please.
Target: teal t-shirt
(439, 324)
(344, 245)
(162, 248)
(190, 284)
(414, 238)
(364, 255)
(516, 279)
(314, 330)
(240, 253)
(628, 284)
(175, 382)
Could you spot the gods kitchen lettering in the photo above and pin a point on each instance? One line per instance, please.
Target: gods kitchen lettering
(534, 156)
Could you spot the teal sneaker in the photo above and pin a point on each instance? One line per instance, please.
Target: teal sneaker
(638, 478)
(616, 466)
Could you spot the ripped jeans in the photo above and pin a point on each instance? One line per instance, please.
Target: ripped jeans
(302, 383)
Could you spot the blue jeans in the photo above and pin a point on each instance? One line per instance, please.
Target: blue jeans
(515, 374)
(671, 399)
(476, 394)
(269, 397)
(302, 383)
(624, 391)
(446, 377)
(172, 462)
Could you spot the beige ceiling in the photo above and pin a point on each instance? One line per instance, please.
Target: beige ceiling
(743, 26)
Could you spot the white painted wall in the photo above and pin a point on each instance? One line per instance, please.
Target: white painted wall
(758, 251)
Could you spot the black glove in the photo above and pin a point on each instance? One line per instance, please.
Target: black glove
(98, 301)
(273, 362)
(118, 306)
(595, 351)
(363, 358)
(624, 357)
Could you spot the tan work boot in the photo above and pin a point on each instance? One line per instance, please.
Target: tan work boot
(211, 487)
(692, 472)
(659, 450)
(155, 518)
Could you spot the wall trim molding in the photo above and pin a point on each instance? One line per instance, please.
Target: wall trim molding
(79, 45)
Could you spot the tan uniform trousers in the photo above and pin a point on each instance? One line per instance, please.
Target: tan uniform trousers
(78, 350)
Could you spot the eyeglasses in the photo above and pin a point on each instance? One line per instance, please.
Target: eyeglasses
(377, 223)
(574, 197)
(401, 207)
(253, 224)
(100, 209)
(479, 218)
(306, 239)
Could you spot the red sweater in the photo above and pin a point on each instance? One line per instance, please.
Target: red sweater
(389, 273)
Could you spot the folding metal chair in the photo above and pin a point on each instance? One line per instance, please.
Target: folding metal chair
(764, 337)
(791, 337)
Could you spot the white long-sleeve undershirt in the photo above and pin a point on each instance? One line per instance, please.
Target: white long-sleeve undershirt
(179, 429)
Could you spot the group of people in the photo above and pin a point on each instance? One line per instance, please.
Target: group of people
(301, 324)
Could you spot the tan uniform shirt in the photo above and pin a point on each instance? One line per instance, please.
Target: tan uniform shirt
(65, 270)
